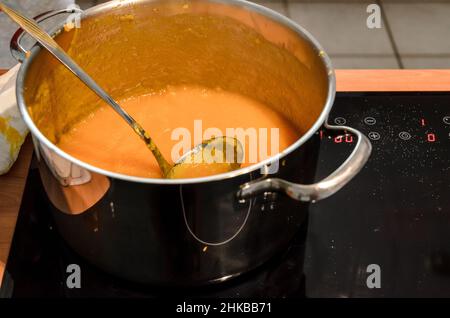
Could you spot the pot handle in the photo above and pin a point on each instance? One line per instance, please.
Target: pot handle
(322, 189)
(17, 50)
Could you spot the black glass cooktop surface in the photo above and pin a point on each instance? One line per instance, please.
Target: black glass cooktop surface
(395, 215)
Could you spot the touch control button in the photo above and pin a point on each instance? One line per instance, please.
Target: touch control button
(340, 121)
(404, 135)
(370, 121)
(446, 120)
(374, 135)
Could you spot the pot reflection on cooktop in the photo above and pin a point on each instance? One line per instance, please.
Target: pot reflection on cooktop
(394, 214)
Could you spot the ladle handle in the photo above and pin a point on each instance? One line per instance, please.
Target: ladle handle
(322, 189)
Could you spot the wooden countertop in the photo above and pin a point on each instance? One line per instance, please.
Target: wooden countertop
(13, 183)
(392, 80)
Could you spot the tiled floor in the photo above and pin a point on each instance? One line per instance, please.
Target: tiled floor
(414, 33)
(341, 28)
(421, 32)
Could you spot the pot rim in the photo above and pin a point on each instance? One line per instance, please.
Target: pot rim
(275, 16)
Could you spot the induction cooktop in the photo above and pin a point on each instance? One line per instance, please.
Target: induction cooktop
(392, 219)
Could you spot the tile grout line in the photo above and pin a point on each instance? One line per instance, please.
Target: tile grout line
(390, 36)
(286, 8)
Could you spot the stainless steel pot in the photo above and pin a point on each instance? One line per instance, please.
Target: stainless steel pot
(192, 231)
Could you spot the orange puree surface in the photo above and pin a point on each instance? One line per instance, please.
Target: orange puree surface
(104, 140)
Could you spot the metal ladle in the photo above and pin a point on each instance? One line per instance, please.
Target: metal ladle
(197, 159)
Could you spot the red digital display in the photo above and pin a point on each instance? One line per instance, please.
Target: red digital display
(348, 139)
(422, 122)
(431, 137)
(343, 139)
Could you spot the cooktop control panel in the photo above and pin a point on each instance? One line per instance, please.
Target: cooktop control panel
(413, 124)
